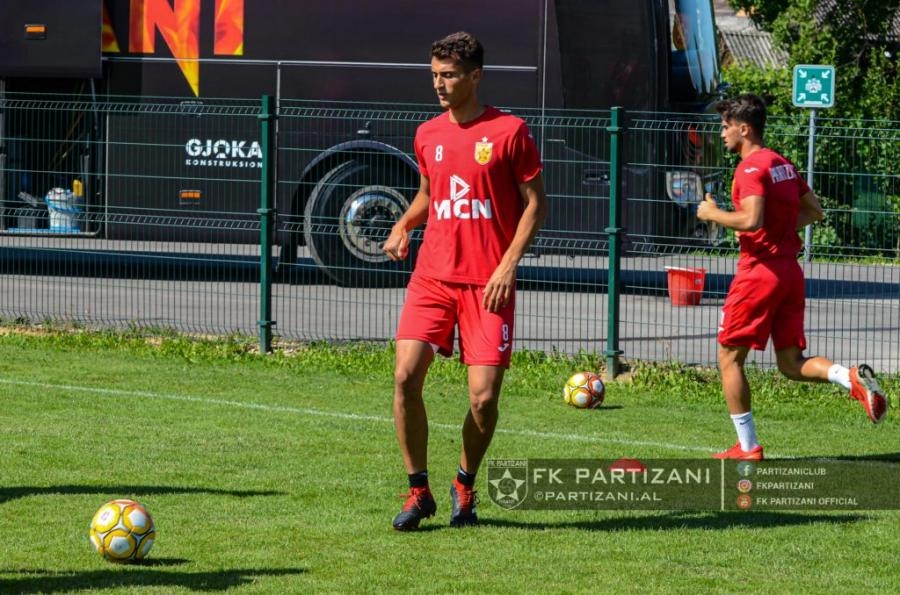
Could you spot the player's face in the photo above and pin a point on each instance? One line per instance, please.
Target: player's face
(732, 135)
(454, 86)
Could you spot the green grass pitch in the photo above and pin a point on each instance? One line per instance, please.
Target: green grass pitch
(281, 474)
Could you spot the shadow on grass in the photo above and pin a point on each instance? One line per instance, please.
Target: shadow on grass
(121, 491)
(609, 407)
(42, 581)
(686, 520)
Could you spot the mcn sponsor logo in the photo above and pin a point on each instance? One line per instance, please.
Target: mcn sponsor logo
(459, 205)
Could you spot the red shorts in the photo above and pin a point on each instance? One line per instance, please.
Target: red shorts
(433, 309)
(766, 299)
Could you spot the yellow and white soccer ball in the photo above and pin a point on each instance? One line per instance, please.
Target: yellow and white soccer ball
(584, 390)
(122, 531)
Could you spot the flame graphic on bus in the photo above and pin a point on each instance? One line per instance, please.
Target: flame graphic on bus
(178, 23)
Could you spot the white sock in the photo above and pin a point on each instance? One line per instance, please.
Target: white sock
(838, 374)
(746, 430)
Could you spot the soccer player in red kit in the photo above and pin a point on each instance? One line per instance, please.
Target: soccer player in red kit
(766, 298)
(481, 193)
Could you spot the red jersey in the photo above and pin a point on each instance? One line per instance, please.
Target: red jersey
(766, 173)
(474, 171)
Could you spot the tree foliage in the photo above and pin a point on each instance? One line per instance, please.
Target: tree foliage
(857, 154)
(855, 36)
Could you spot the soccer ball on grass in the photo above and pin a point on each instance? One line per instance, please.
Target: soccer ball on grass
(584, 390)
(122, 531)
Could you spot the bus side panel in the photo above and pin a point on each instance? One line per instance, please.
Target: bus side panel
(356, 48)
(395, 31)
(194, 159)
(50, 38)
(404, 85)
(150, 79)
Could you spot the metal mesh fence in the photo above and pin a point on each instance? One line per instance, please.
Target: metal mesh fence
(162, 229)
(154, 224)
(853, 286)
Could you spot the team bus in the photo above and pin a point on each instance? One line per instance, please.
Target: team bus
(343, 178)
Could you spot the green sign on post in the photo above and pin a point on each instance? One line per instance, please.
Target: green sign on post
(813, 85)
(813, 88)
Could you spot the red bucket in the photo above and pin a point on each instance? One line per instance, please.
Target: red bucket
(685, 285)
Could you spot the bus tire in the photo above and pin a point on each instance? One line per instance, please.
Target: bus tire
(349, 215)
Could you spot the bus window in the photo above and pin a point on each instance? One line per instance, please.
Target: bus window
(694, 54)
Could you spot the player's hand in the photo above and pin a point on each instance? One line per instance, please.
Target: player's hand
(707, 207)
(397, 245)
(499, 289)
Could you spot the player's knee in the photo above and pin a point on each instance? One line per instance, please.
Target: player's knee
(483, 406)
(406, 380)
(730, 359)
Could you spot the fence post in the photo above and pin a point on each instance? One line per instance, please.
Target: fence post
(810, 165)
(266, 224)
(614, 233)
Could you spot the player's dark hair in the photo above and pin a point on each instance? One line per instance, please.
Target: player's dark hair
(461, 47)
(748, 108)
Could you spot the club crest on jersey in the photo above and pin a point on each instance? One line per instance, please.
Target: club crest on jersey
(483, 151)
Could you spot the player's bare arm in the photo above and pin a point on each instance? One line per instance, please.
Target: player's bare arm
(397, 245)
(749, 218)
(810, 210)
(499, 287)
